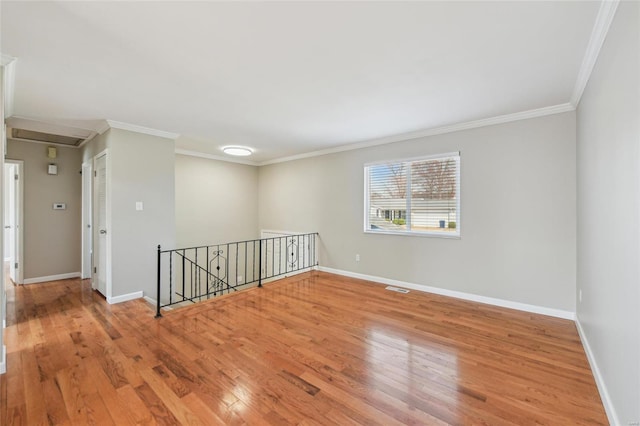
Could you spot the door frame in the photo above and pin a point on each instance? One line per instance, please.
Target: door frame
(95, 238)
(19, 217)
(87, 219)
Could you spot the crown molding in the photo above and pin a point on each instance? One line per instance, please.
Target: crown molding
(140, 129)
(501, 119)
(6, 59)
(8, 63)
(103, 128)
(599, 33)
(215, 157)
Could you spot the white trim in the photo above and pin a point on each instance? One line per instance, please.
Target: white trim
(87, 218)
(558, 313)
(67, 128)
(51, 278)
(62, 145)
(598, 34)
(9, 82)
(20, 218)
(105, 153)
(124, 297)
(215, 157)
(87, 140)
(154, 302)
(427, 234)
(105, 126)
(602, 388)
(99, 131)
(3, 360)
(6, 59)
(281, 233)
(523, 115)
(413, 159)
(140, 129)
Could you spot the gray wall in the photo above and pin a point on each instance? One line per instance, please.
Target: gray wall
(52, 238)
(216, 201)
(517, 212)
(141, 169)
(608, 162)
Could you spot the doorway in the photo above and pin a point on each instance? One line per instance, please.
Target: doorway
(13, 218)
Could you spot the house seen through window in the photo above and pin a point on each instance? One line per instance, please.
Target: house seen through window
(416, 196)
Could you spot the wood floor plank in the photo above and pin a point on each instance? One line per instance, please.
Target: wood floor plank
(34, 396)
(313, 349)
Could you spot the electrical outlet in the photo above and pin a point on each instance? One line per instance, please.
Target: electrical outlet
(239, 279)
(580, 296)
(357, 258)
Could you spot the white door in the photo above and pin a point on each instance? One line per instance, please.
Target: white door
(13, 215)
(87, 249)
(8, 176)
(100, 221)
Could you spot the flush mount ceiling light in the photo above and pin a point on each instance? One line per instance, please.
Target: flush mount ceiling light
(239, 151)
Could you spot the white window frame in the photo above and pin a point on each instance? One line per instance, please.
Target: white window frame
(437, 234)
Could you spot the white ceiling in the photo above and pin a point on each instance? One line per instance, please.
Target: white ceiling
(290, 78)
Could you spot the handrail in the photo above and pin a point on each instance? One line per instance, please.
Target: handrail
(237, 242)
(187, 274)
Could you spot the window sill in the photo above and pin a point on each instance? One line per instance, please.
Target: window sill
(454, 236)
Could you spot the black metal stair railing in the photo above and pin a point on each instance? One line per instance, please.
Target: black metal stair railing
(198, 273)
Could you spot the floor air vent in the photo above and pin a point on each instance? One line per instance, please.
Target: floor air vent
(397, 289)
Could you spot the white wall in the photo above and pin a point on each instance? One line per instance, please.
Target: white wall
(517, 220)
(608, 164)
(216, 201)
(52, 238)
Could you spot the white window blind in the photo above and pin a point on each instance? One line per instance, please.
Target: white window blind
(416, 196)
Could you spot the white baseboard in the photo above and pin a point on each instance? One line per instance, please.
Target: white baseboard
(51, 278)
(558, 313)
(3, 360)
(602, 388)
(124, 297)
(154, 302)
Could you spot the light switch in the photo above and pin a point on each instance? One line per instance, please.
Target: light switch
(59, 206)
(139, 206)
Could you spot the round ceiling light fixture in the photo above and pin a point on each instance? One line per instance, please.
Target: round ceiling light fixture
(238, 151)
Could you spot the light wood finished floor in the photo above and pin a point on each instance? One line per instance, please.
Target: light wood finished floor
(311, 349)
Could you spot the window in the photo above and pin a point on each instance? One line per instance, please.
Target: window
(417, 196)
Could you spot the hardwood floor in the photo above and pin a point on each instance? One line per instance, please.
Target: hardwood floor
(311, 349)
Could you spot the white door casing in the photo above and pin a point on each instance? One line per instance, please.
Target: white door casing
(13, 220)
(87, 231)
(8, 172)
(100, 246)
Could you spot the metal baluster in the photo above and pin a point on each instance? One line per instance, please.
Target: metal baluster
(183, 281)
(158, 315)
(259, 263)
(197, 276)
